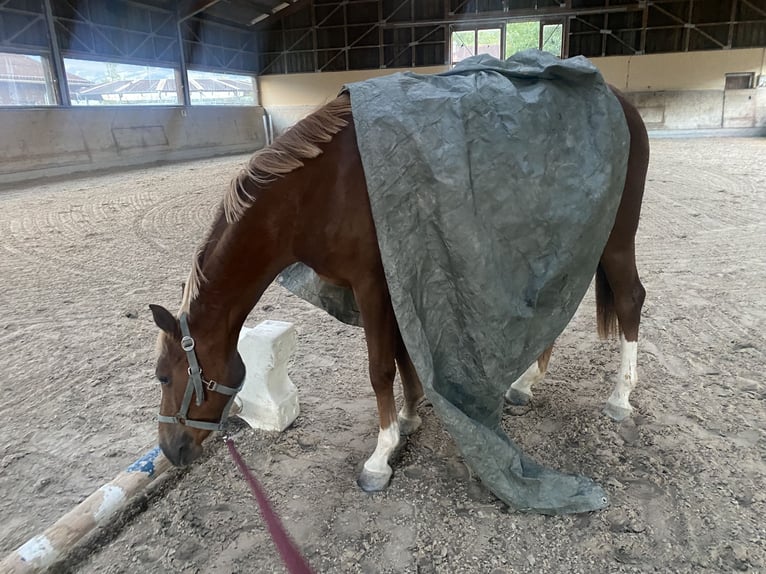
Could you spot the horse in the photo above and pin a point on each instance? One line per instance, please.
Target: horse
(304, 199)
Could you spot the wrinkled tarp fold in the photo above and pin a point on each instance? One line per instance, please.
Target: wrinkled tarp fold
(493, 188)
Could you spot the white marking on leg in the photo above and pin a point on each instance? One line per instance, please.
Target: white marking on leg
(407, 412)
(531, 376)
(409, 420)
(388, 440)
(628, 376)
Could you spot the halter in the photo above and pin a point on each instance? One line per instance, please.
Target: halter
(196, 386)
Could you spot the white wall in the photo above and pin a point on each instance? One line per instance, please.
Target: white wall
(686, 91)
(290, 97)
(43, 142)
(682, 71)
(672, 91)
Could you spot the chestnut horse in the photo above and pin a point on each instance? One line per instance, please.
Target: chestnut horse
(304, 198)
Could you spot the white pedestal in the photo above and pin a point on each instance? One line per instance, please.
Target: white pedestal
(268, 399)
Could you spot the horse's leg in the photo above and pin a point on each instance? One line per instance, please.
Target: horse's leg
(619, 292)
(381, 332)
(618, 289)
(619, 269)
(409, 420)
(520, 392)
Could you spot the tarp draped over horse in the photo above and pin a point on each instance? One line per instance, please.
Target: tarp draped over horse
(493, 189)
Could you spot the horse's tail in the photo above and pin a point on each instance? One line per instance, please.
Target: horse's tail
(606, 317)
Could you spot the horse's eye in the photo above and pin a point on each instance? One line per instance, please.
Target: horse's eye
(163, 380)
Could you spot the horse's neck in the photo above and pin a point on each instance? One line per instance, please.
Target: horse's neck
(244, 260)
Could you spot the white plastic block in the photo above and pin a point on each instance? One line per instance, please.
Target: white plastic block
(268, 399)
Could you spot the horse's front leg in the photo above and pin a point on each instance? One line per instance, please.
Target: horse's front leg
(381, 332)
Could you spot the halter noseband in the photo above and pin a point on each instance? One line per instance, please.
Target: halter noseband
(196, 386)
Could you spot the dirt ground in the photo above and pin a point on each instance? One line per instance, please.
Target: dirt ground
(81, 259)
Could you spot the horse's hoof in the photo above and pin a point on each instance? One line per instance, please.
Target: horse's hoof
(374, 481)
(617, 413)
(517, 397)
(408, 425)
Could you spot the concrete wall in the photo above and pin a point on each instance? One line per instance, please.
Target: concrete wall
(674, 92)
(685, 92)
(43, 142)
(742, 110)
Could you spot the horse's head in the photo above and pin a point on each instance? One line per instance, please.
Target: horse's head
(193, 404)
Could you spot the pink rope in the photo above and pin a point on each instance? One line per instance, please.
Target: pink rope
(292, 558)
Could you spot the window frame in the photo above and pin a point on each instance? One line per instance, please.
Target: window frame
(74, 97)
(253, 82)
(48, 78)
(503, 27)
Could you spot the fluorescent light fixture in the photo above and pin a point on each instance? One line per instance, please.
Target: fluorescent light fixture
(279, 7)
(260, 18)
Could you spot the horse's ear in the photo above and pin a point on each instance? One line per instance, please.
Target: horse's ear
(164, 320)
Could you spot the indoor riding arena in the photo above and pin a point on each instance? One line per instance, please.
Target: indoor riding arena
(122, 127)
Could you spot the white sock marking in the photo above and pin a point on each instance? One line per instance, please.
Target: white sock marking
(530, 377)
(627, 377)
(406, 413)
(388, 439)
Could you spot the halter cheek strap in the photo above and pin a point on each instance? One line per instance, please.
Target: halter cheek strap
(196, 385)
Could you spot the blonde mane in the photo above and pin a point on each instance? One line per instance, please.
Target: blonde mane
(285, 155)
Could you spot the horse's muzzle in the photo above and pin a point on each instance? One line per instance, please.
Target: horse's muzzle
(179, 448)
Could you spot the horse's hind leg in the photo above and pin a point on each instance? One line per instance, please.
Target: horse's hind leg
(618, 270)
(619, 292)
(381, 332)
(409, 420)
(520, 392)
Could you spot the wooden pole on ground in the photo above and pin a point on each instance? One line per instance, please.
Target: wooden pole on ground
(44, 550)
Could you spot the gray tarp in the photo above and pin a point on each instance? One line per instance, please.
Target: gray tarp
(493, 188)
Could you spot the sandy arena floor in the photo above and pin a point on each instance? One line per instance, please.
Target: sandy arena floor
(81, 259)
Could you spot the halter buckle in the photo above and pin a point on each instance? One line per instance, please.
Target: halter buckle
(187, 343)
(211, 385)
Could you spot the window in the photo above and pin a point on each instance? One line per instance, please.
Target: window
(521, 36)
(518, 36)
(463, 45)
(552, 36)
(110, 83)
(740, 81)
(211, 88)
(472, 42)
(488, 42)
(25, 80)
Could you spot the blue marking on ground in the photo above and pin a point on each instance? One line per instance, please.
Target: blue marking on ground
(145, 464)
